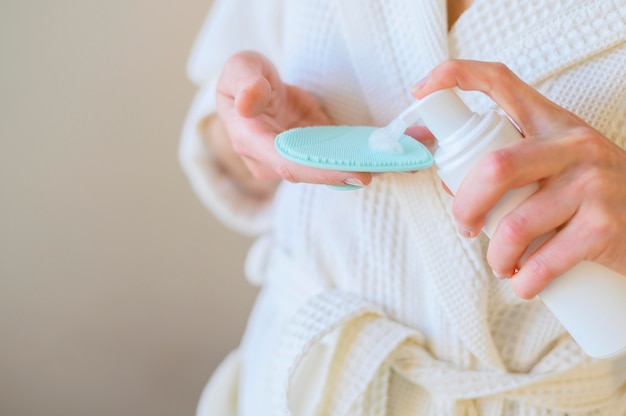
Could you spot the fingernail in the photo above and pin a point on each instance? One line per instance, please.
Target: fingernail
(464, 232)
(353, 182)
(499, 275)
(420, 84)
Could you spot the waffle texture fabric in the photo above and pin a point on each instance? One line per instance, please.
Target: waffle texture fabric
(370, 302)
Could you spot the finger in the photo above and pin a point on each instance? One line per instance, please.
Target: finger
(533, 218)
(253, 97)
(527, 107)
(589, 235)
(254, 142)
(266, 163)
(295, 173)
(552, 259)
(250, 80)
(292, 172)
(514, 166)
(422, 135)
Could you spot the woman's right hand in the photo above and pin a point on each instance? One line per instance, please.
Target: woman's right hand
(254, 106)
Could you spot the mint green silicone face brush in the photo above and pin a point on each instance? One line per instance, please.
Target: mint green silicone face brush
(347, 148)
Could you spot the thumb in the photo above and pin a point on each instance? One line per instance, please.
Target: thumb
(251, 81)
(529, 109)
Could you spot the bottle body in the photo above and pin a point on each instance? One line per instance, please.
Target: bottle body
(481, 135)
(590, 299)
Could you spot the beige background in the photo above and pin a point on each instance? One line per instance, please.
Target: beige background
(119, 293)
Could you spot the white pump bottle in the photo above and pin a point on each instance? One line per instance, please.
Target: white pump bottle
(590, 299)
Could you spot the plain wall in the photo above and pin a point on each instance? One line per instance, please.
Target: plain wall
(119, 292)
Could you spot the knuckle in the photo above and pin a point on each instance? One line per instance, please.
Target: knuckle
(600, 232)
(502, 69)
(514, 229)
(448, 69)
(448, 65)
(239, 59)
(498, 165)
(539, 268)
(285, 172)
(601, 225)
(594, 183)
(591, 145)
(501, 77)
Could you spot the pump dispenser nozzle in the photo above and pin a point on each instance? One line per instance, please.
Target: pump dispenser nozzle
(442, 112)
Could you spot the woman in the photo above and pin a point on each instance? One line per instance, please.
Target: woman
(384, 301)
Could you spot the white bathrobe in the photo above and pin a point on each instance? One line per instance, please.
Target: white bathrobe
(371, 304)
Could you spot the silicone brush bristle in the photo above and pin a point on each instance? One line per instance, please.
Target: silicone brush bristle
(347, 148)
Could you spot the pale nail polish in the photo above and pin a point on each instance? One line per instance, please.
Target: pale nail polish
(464, 232)
(499, 275)
(353, 182)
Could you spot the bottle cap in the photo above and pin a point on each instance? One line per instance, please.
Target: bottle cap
(442, 112)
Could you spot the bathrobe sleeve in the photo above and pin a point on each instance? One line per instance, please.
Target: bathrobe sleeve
(231, 26)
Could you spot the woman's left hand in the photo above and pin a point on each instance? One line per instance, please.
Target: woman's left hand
(581, 176)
